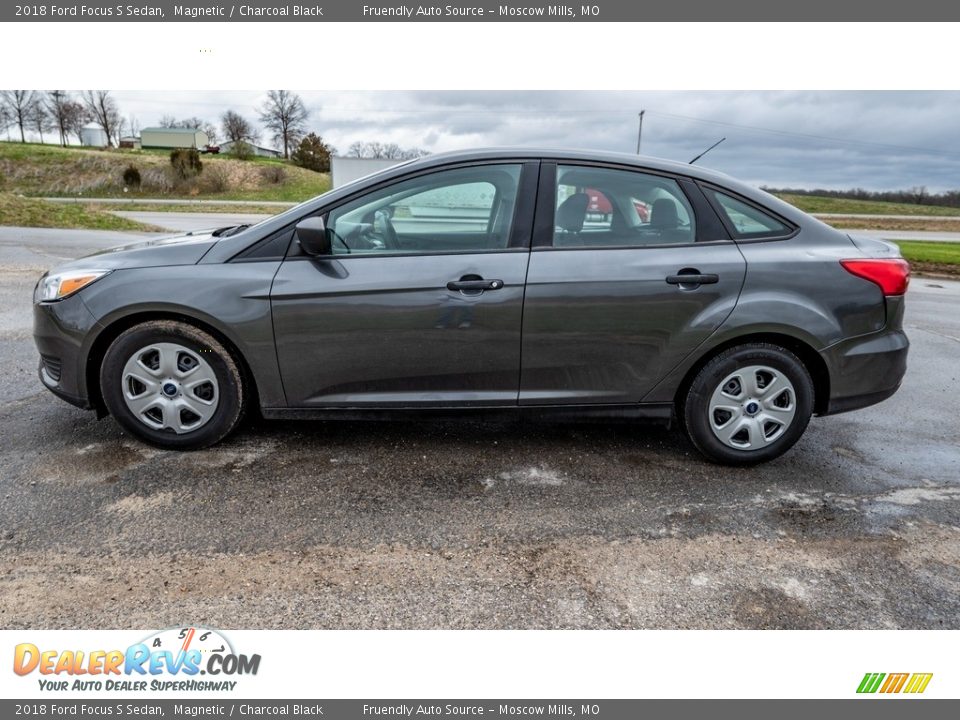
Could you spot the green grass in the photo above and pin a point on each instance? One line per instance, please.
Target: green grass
(942, 253)
(218, 207)
(38, 170)
(816, 204)
(30, 212)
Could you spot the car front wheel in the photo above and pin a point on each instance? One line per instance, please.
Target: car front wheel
(172, 385)
(749, 404)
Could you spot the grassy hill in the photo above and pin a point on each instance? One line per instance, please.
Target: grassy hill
(51, 171)
(19, 211)
(841, 206)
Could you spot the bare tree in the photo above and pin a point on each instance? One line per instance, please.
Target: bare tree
(389, 151)
(104, 112)
(237, 128)
(58, 104)
(133, 125)
(76, 116)
(40, 118)
(285, 115)
(19, 105)
(168, 121)
(5, 120)
(414, 153)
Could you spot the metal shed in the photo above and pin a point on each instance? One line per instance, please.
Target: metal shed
(173, 138)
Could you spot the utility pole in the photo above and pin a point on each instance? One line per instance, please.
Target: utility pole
(640, 131)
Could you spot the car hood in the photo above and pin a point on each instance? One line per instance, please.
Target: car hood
(185, 249)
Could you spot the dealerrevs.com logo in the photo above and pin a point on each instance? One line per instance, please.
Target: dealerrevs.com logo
(891, 683)
(179, 659)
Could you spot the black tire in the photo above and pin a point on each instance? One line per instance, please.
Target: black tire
(695, 404)
(231, 396)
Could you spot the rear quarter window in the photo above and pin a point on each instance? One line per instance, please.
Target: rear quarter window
(746, 220)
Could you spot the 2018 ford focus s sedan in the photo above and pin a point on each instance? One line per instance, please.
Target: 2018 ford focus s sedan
(533, 283)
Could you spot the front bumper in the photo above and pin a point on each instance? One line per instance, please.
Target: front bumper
(60, 330)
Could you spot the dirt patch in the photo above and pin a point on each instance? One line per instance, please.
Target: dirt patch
(134, 505)
(932, 269)
(715, 581)
(887, 223)
(97, 462)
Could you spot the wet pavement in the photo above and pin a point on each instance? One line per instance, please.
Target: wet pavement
(475, 525)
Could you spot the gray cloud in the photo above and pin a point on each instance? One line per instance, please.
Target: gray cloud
(875, 140)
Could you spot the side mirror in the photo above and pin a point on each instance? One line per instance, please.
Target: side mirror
(313, 237)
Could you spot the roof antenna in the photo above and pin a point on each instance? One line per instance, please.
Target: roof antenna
(706, 151)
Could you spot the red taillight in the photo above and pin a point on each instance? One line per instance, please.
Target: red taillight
(892, 275)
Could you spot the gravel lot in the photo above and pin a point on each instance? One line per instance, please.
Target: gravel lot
(469, 525)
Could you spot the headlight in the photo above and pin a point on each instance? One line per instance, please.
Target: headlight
(59, 285)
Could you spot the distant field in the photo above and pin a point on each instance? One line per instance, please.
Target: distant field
(815, 204)
(30, 212)
(51, 171)
(930, 252)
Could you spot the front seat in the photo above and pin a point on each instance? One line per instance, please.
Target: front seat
(571, 215)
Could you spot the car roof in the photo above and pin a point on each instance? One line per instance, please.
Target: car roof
(561, 154)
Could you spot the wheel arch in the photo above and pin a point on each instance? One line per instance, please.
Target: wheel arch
(811, 359)
(116, 327)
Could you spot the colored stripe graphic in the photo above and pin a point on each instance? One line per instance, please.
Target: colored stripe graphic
(894, 682)
(870, 682)
(918, 682)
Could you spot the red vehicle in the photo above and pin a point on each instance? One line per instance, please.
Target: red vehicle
(600, 205)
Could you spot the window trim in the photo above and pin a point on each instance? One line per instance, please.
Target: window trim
(522, 221)
(543, 228)
(249, 254)
(709, 189)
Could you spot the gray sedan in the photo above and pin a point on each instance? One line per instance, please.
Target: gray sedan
(520, 283)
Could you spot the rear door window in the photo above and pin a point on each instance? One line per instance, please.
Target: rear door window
(605, 207)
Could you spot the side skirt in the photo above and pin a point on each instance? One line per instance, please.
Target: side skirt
(661, 413)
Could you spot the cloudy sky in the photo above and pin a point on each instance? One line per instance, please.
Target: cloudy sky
(875, 140)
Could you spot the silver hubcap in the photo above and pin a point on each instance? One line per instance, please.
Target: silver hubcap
(752, 407)
(169, 387)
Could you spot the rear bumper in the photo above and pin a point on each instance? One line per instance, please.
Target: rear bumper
(865, 370)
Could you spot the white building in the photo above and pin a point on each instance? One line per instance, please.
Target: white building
(227, 147)
(172, 138)
(344, 170)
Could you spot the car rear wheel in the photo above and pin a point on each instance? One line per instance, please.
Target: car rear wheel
(749, 404)
(172, 385)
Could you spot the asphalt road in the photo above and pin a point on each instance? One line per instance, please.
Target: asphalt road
(470, 525)
(184, 221)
